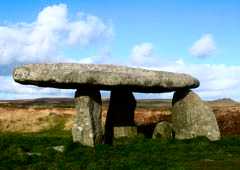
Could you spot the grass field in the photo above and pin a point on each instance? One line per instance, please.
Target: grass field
(35, 151)
(38, 150)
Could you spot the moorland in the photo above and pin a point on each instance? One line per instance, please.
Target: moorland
(35, 134)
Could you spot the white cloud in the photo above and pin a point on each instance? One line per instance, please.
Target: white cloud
(44, 39)
(216, 81)
(143, 54)
(87, 60)
(12, 90)
(53, 17)
(203, 47)
(41, 41)
(87, 30)
(104, 56)
(180, 61)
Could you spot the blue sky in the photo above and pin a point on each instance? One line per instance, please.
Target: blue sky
(196, 37)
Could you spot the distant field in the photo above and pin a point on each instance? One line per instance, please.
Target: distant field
(69, 103)
(39, 114)
(39, 103)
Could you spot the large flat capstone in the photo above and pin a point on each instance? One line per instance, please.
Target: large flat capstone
(104, 77)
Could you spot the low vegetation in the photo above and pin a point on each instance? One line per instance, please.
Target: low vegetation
(36, 151)
(40, 150)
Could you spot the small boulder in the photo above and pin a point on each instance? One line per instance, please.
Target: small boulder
(162, 130)
(191, 117)
(125, 131)
(58, 148)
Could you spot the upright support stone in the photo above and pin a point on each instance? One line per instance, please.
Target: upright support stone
(125, 131)
(120, 112)
(191, 117)
(87, 129)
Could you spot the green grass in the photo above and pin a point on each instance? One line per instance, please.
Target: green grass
(35, 151)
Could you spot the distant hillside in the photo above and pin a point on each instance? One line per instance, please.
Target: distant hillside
(69, 102)
(41, 102)
(227, 101)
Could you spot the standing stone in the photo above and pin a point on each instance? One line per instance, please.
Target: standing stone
(163, 130)
(191, 117)
(87, 129)
(120, 112)
(125, 131)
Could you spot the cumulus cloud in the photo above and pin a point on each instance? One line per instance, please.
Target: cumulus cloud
(104, 57)
(203, 47)
(12, 90)
(143, 54)
(88, 29)
(217, 81)
(44, 39)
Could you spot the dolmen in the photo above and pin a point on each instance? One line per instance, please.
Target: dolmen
(191, 117)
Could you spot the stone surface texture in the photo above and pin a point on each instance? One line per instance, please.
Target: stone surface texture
(105, 77)
(125, 131)
(191, 117)
(163, 130)
(87, 128)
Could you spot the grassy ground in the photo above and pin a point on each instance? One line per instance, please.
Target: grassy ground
(35, 151)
